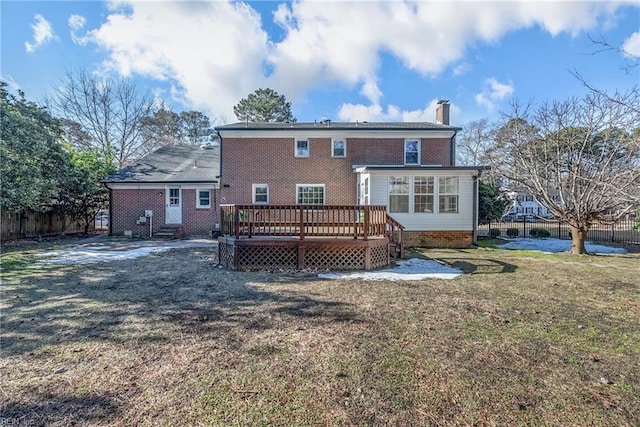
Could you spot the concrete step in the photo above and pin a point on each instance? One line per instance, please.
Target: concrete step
(169, 231)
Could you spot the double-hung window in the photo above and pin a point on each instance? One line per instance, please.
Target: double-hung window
(411, 152)
(302, 148)
(423, 194)
(399, 194)
(260, 194)
(204, 199)
(310, 194)
(338, 148)
(448, 194)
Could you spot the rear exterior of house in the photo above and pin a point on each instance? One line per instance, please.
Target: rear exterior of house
(171, 192)
(407, 167)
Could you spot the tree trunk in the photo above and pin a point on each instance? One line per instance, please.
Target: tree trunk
(578, 237)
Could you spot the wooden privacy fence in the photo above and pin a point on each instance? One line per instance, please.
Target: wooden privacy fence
(34, 224)
(303, 221)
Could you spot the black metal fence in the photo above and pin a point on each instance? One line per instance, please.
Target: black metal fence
(626, 230)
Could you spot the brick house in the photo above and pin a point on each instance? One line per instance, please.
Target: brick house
(408, 167)
(173, 190)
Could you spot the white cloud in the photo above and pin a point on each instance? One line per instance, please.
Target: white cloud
(492, 92)
(42, 33)
(631, 46)
(215, 53)
(461, 69)
(371, 91)
(77, 23)
(376, 113)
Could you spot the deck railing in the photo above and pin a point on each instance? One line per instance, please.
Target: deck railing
(357, 221)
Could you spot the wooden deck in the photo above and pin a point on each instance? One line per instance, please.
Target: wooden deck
(258, 237)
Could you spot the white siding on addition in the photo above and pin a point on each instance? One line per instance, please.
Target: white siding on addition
(421, 221)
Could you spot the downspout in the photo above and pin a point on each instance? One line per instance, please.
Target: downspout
(475, 211)
(110, 211)
(219, 161)
(110, 208)
(218, 215)
(476, 184)
(358, 189)
(452, 149)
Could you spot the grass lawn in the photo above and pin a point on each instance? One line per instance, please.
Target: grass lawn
(171, 339)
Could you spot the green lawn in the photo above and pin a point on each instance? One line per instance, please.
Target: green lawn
(171, 339)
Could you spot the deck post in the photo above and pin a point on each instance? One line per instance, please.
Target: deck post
(235, 257)
(366, 223)
(300, 257)
(367, 258)
(301, 222)
(236, 221)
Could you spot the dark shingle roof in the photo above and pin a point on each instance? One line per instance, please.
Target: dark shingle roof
(351, 126)
(177, 163)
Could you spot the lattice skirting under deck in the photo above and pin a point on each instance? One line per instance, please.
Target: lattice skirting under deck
(331, 254)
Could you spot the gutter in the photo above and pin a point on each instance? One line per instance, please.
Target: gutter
(158, 182)
(338, 126)
(362, 168)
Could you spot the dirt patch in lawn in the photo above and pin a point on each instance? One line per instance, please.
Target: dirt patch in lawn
(170, 338)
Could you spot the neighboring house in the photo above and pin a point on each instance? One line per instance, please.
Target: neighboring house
(408, 167)
(175, 187)
(523, 203)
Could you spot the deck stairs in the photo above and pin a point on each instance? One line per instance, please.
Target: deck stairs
(394, 233)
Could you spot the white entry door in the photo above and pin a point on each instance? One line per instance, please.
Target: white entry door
(174, 206)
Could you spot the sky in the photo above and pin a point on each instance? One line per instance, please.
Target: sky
(341, 60)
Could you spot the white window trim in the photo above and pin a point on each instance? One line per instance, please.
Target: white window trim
(324, 191)
(253, 193)
(414, 194)
(457, 194)
(404, 153)
(295, 148)
(408, 194)
(333, 141)
(198, 205)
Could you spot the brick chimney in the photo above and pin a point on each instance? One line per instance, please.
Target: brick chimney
(442, 112)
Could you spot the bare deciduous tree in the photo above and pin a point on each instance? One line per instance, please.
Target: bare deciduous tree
(477, 146)
(109, 111)
(580, 157)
